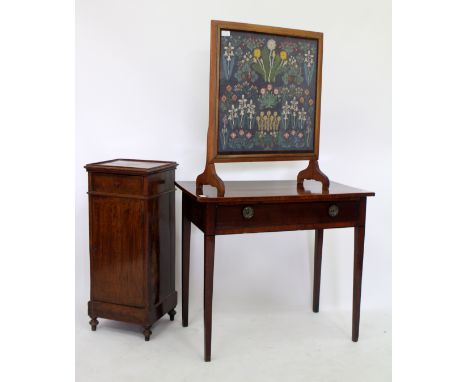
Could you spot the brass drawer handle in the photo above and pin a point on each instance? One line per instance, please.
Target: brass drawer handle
(248, 212)
(333, 210)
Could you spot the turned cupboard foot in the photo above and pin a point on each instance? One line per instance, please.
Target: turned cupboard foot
(147, 332)
(94, 323)
(171, 314)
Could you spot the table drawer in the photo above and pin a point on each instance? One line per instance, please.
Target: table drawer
(286, 216)
(117, 184)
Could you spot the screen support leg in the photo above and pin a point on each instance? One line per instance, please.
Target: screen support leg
(313, 172)
(209, 177)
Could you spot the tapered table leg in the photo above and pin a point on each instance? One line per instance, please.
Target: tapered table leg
(357, 279)
(317, 268)
(186, 230)
(208, 293)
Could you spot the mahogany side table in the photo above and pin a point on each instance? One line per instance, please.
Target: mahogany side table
(132, 241)
(268, 206)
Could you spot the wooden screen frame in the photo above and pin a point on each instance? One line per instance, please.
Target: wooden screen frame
(213, 133)
(209, 176)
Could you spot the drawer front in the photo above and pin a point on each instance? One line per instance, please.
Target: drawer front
(117, 184)
(286, 216)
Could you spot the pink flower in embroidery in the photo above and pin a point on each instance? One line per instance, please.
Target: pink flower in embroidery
(248, 135)
(262, 91)
(276, 91)
(286, 135)
(293, 132)
(269, 87)
(233, 135)
(234, 97)
(241, 132)
(223, 98)
(300, 135)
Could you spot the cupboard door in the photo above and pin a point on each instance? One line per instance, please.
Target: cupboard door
(117, 251)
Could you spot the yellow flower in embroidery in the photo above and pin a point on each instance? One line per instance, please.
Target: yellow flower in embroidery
(257, 53)
(283, 55)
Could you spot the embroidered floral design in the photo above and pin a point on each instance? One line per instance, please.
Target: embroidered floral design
(267, 62)
(308, 66)
(267, 93)
(268, 97)
(228, 60)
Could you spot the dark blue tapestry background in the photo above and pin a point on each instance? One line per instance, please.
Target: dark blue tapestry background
(267, 93)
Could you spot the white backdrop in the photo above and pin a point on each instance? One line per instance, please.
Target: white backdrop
(142, 69)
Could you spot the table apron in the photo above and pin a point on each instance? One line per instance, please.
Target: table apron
(283, 228)
(272, 217)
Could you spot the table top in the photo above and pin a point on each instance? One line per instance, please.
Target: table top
(130, 166)
(272, 190)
